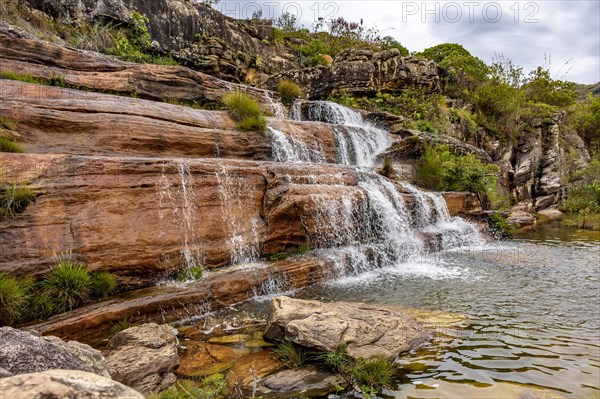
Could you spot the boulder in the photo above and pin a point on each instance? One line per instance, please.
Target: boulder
(303, 382)
(64, 384)
(24, 352)
(368, 331)
(144, 357)
(461, 202)
(521, 220)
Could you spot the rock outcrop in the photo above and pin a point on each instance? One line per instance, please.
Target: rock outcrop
(144, 357)
(363, 72)
(192, 32)
(304, 382)
(64, 384)
(94, 71)
(367, 331)
(22, 352)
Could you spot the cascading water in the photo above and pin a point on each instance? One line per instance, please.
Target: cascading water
(289, 149)
(244, 238)
(180, 203)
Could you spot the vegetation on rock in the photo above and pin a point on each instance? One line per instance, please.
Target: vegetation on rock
(13, 198)
(211, 387)
(288, 91)
(583, 197)
(68, 285)
(9, 145)
(14, 296)
(246, 111)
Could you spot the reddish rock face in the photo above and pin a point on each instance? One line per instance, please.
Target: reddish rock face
(458, 203)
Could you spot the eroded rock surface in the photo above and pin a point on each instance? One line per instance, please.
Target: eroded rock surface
(144, 357)
(23, 352)
(64, 384)
(368, 331)
(363, 72)
(307, 381)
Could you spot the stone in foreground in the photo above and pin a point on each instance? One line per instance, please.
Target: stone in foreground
(144, 357)
(303, 382)
(368, 331)
(23, 352)
(64, 384)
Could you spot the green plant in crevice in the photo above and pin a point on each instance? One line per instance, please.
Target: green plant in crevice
(121, 326)
(9, 145)
(194, 272)
(291, 354)
(245, 111)
(102, 285)
(7, 123)
(211, 387)
(288, 91)
(14, 198)
(68, 285)
(14, 298)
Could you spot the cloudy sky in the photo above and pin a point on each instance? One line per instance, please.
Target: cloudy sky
(561, 35)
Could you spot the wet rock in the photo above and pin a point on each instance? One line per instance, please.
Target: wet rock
(521, 220)
(64, 384)
(363, 72)
(368, 331)
(144, 357)
(201, 359)
(459, 203)
(23, 352)
(252, 368)
(307, 381)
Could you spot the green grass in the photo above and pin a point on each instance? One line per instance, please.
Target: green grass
(9, 145)
(291, 354)
(103, 284)
(7, 123)
(14, 296)
(121, 326)
(20, 77)
(14, 199)
(253, 123)
(68, 285)
(190, 273)
(211, 387)
(241, 106)
(288, 91)
(374, 373)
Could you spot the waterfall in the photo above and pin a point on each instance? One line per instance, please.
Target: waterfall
(357, 142)
(276, 106)
(289, 149)
(177, 203)
(244, 237)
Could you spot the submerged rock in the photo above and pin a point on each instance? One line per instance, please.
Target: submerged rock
(303, 382)
(24, 352)
(64, 384)
(144, 357)
(368, 331)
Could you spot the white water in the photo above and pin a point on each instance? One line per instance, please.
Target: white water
(357, 141)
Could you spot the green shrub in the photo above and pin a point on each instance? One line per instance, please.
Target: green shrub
(190, 273)
(68, 285)
(501, 226)
(288, 91)
(583, 197)
(103, 284)
(9, 145)
(540, 87)
(241, 106)
(439, 169)
(253, 123)
(14, 199)
(14, 296)
(374, 373)
(291, 354)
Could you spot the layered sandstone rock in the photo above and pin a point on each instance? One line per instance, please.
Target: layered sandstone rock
(367, 331)
(363, 72)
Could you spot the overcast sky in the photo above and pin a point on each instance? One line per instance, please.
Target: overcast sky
(561, 35)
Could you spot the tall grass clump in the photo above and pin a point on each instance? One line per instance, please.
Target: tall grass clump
(68, 285)
(14, 199)
(288, 91)
(245, 111)
(292, 355)
(103, 284)
(14, 296)
(9, 145)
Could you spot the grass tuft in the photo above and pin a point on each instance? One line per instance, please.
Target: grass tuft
(14, 295)
(68, 285)
(190, 273)
(291, 354)
(14, 199)
(288, 91)
(9, 145)
(103, 284)
(245, 110)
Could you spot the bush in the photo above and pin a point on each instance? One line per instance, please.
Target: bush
(291, 354)
(245, 110)
(103, 284)
(288, 91)
(40, 307)
(9, 145)
(14, 296)
(439, 169)
(583, 197)
(68, 285)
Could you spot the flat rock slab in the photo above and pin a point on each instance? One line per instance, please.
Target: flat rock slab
(308, 381)
(64, 384)
(368, 331)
